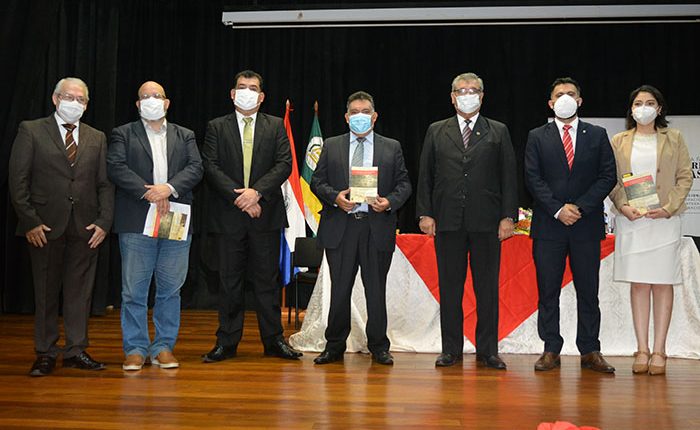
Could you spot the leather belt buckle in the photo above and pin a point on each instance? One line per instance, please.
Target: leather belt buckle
(359, 215)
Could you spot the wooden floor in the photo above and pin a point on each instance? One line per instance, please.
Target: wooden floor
(255, 392)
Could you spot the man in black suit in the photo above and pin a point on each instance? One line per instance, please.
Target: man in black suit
(467, 199)
(359, 235)
(59, 187)
(152, 162)
(247, 159)
(569, 170)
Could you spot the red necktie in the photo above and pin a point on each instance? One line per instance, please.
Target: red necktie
(71, 147)
(568, 146)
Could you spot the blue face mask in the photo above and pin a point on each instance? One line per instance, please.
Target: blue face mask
(360, 123)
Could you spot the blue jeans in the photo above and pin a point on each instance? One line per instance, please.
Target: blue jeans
(143, 257)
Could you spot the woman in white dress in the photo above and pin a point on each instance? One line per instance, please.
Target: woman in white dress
(647, 239)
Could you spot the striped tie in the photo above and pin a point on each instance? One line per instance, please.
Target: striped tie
(71, 147)
(358, 156)
(467, 133)
(568, 146)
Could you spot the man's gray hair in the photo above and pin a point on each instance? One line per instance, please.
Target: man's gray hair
(467, 77)
(76, 81)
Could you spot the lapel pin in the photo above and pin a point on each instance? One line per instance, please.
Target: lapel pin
(583, 131)
(478, 133)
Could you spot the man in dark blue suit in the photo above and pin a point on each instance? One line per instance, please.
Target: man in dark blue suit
(151, 161)
(569, 170)
(359, 235)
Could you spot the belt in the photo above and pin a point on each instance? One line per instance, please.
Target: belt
(359, 215)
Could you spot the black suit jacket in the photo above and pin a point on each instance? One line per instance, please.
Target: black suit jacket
(223, 163)
(130, 167)
(551, 184)
(45, 189)
(481, 179)
(332, 176)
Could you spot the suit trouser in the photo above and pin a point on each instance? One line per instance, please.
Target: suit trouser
(550, 259)
(357, 249)
(66, 261)
(249, 256)
(483, 252)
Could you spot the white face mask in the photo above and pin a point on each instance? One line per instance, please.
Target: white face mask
(644, 114)
(70, 112)
(246, 99)
(468, 103)
(152, 109)
(565, 107)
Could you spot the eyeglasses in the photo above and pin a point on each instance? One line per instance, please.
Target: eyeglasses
(158, 96)
(70, 97)
(465, 91)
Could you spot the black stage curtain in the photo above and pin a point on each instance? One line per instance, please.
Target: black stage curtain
(117, 45)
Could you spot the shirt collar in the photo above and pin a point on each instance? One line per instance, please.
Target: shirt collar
(472, 120)
(368, 139)
(60, 121)
(240, 116)
(163, 127)
(560, 124)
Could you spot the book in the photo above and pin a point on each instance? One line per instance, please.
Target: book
(174, 225)
(363, 184)
(641, 192)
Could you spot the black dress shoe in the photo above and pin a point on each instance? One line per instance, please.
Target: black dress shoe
(328, 357)
(384, 357)
(219, 353)
(83, 361)
(492, 361)
(280, 348)
(43, 365)
(447, 359)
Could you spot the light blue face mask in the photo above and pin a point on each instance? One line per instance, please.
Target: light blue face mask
(360, 123)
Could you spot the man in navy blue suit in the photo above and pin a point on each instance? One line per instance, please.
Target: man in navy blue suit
(569, 170)
(151, 160)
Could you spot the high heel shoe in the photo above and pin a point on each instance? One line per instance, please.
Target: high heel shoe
(655, 369)
(641, 362)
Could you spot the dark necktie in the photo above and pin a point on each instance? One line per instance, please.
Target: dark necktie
(71, 147)
(467, 133)
(568, 146)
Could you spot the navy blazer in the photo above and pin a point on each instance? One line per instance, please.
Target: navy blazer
(332, 176)
(130, 168)
(223, 161)
(551, 184)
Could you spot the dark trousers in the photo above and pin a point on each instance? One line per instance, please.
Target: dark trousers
(249, 257)
(67, 262)
(584, 260)
(454, 251)
(357, 250)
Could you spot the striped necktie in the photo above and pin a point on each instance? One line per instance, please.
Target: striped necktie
(568, 146)
(467, 133)
(71, 146)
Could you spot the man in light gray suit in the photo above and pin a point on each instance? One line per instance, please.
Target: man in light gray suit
(359, 235)
(59, 187)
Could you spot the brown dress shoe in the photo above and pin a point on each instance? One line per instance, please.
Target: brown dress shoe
(165, 360)
(595, 361)
(133, 362)
(547, 361)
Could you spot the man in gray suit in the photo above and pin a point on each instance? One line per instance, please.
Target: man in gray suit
(152, 162)
(59, 188)
(467, 199)
(359, 235)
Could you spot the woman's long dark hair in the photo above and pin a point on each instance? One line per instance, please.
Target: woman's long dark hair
(660, 121)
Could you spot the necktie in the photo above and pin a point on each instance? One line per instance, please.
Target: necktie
(71, 147)
(247, 149)
(568, 146)
(467, 133)
(358, 156)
